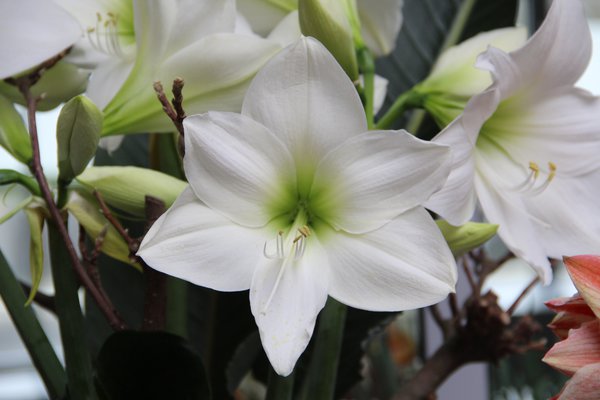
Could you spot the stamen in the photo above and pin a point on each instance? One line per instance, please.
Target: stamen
(106, 34)
(528, 186)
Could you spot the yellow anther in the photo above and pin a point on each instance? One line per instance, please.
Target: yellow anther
(552, 167)
(535, 168)
(305, 231)
(91, 30)
(99, 17)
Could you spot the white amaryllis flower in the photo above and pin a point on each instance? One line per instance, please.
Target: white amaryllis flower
(294, 199)
(527, 147)
(135, 43)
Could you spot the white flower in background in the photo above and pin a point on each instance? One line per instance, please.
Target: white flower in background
(135, 43)
(380, 20)
(31, 32)
(527, 147)
(294, 199)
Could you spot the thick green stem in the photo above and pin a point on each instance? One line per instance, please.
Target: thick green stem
(367, 68)
(322, 372)
(280, 388)
(404, 102)
(36, 342)
(70, 318)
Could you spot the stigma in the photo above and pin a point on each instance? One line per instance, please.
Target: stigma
(532, 186)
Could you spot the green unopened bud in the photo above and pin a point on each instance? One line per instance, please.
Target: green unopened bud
(77, 134)
(35, 218)
(87, 213)
(126, 188)
(13, 133)
(466, 237)
(454, 78)
(328, 21)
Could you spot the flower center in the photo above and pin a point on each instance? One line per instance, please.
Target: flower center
(289, 247)
(531, 185)
(111, 32)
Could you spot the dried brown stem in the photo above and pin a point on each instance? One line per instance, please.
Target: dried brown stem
(132, 243)
(43, 300)
(24, 85)
(511, 310)
(168, 107)
(469, 274)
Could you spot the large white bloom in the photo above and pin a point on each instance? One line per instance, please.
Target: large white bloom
(294, 199)
(132, 44)
(527, 147)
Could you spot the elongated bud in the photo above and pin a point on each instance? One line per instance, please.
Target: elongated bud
(126, 188)
(77, 134)
(327, 21)
(466, 237)
(454, 78)
(13, 133)
(87, 213)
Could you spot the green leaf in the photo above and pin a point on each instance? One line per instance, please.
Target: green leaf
(77, 134)
(9, 176)
(35, 218)
(126, 187)
(87, 213)
(150, 365)
(466, 237)
(13, 133)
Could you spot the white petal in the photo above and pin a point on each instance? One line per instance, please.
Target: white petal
(264, 15)
(111, 143)
(559, 52)
(217, 61)
(287, 31)
(373, 177)
(561, 128)
(303, 96)
(31, 32)
(236, 166)
(403, 265)
(456, 201)
(380, 23)
(286, 305)
(107, 79)
(381, 85)
(192, 242)
(518, 229)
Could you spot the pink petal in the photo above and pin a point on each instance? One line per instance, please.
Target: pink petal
(584, 385)
(585, 273)
(581, 348)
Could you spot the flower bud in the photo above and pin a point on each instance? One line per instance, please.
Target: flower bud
(13, 134)
(126, 188)
(467, 237)
(454, 78)
(327, 21)
(77, 134)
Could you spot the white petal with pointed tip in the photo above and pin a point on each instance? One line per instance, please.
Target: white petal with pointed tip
(388, 269)
(195, 243)
(303, 96)
(286, 306)
(373, 177)
(31, 32)
(238, 167)
(380, 21)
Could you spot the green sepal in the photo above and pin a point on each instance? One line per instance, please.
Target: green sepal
(466, 237)
(86, 212)
(77, 133)
(13, 133)
(126, 188)
(328, 22)
(35, 218)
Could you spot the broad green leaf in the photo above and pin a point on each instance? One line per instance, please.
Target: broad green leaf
(13, 133)
(125, 188)
(9, 176)
(77, 134)
(35, 218)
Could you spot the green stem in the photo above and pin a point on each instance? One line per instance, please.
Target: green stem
(367, 67)
(404, 102)
(70, 317)
(321, 379)
(164, 157)
(41, 352)
(280, 388)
